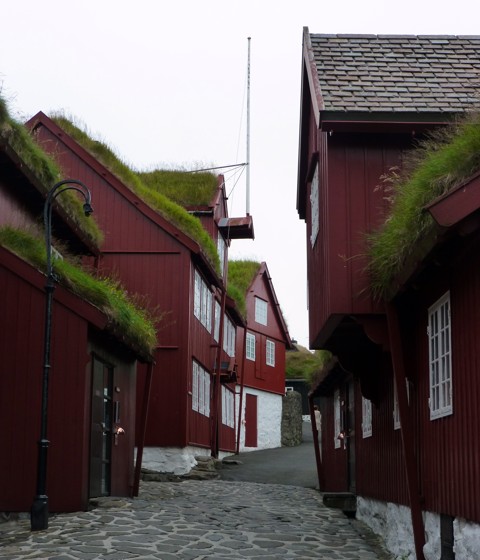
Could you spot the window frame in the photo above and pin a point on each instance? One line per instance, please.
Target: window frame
(314, 208)
(440, 358)
(250, 345)
(261, 311)
(337, 424)
(367, 429)
(270, 353)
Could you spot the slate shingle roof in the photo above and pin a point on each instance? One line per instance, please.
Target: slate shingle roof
(397, 73)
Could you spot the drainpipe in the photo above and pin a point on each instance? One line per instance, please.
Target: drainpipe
(316, 445)
(143, 429)
(406, 429)
(242, 373)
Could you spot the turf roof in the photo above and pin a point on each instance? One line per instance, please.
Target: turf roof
(240, 276)
(127, 319)
(439, 164)
(46, 172)
(148, 189)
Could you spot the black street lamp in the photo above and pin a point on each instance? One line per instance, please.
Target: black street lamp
(39, 511)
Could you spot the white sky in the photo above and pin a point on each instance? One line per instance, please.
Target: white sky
(164, 83)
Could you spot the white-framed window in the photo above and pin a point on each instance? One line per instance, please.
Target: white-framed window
(270, 353)
(229, 337)
(261, 308)
(337, 426)
(202, 302)
(200, 389)
(366, 417)
(216, 330)
(440, 358)
(221, 252)
(314, 207)
(250, 347)
(228, 402)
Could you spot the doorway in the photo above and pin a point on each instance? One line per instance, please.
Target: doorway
(250, 420)
(101, 428)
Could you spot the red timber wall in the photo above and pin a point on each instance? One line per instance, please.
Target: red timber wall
(152, 263)
(351, 204)
(449, 447)
(22, 308)
(257, 374)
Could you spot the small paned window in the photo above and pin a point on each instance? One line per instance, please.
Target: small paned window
(216, 330)
(250, 346)
(202, 302)
(270, 353)
(228, 401)
(396, 410)
(366, 417)
(337, 427)
(314, 207)
(261, 311)
(221, 253)
(440, 358)
(200, 389)
(229, 337)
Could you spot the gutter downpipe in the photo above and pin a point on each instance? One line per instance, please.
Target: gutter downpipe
(400, 377)
(143, 429)
(242, 373)
(316, 444)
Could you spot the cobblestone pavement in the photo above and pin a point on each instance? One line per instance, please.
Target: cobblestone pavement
(198, 520)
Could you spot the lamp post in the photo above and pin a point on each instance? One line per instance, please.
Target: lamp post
(39, 511)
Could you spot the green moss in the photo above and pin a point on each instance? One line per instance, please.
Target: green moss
(186, 189)
(241, 274)
(438, 165)
(126, 318)
(304, 364)
(167, 208)
(46, 171)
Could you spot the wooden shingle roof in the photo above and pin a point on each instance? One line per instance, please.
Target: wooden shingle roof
(395, 73)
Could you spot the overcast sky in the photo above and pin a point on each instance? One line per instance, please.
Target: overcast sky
(164, 84)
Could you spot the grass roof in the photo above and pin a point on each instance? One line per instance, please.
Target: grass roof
(127, 319)
(447, 158)
(151, 195)
(240, 276)
(46, 172)
(304, 364)
(183, 187)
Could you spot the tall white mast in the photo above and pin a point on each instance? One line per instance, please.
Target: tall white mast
(248, 133)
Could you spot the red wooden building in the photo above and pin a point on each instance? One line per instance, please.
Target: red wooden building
(365, 101)
(173, 271)
(93, 364)
(261, 346)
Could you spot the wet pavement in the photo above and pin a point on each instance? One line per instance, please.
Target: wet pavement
(198, 520)
(266, 506)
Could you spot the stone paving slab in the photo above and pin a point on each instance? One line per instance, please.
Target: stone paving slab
(195, 520)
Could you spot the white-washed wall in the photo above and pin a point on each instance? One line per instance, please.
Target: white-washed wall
(269, 420)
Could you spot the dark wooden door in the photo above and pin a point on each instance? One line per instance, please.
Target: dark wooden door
(101, 428)
(250, 420)
(350, 433)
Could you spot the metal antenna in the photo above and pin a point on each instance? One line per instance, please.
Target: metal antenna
(248, 132)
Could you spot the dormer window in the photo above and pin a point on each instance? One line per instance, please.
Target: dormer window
(261, 311)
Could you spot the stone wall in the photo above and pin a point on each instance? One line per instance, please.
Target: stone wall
(292, 419)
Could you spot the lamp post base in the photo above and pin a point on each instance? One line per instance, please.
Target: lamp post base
(39, 514)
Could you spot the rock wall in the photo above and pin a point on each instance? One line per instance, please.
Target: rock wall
(292, 419)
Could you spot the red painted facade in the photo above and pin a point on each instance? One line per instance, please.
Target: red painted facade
(156, 260)
(77, 336)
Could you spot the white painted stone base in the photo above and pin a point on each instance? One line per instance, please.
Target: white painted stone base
(269, 420)
(394, 524)
(176, 460)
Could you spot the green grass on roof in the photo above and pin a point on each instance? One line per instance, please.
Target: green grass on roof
(303, 364)
(46, 171)
(126, 318)
(442, 162)
(167, 208)
(240, 275)
(186, 189)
